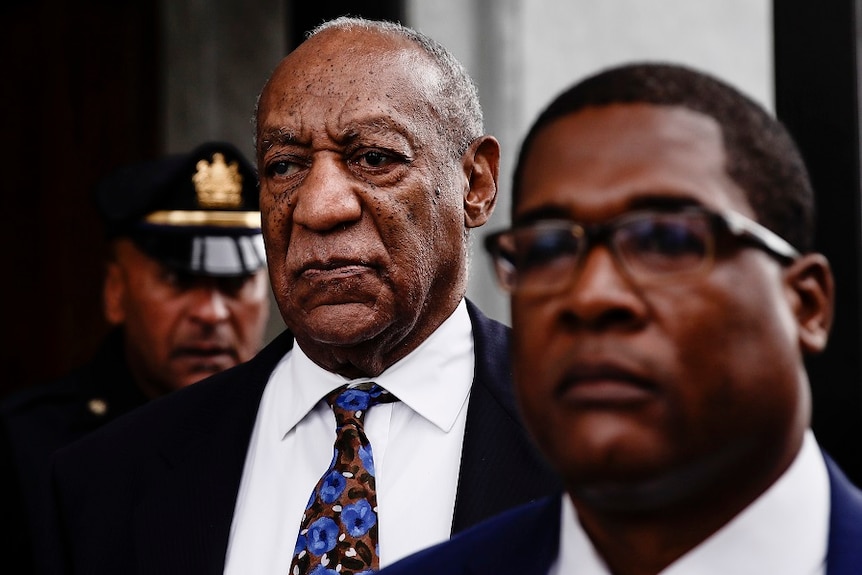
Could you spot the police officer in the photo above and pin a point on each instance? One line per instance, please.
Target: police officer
(186, 292)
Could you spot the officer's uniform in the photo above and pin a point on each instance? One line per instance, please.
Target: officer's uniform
(196, 212)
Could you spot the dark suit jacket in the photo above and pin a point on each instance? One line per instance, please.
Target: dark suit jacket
(525, 540)
(34, 423)
(154, 492)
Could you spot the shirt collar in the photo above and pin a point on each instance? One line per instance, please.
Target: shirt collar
(788, 526)
(786, 530)
(434, 379)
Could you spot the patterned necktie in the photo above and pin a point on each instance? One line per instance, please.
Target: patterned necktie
(338, 533)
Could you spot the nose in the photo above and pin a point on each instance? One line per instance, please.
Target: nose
(601, 295)
(209, 305)
(327, 197)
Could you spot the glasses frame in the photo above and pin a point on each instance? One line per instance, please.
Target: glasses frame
(732, 223)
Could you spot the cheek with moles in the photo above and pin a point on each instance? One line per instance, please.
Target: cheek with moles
(275, 210)
(347, 283)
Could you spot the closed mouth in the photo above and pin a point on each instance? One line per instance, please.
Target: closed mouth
(607, 384)
(334, 268)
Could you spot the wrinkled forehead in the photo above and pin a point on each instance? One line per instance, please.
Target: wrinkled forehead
(341, 70)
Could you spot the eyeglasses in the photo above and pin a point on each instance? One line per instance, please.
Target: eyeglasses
(649, 246)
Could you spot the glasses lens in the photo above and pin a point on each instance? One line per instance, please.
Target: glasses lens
(538, 258)
(661, 244)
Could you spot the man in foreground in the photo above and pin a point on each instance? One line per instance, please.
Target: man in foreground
(373, 167)
(186, 294)
(664, 295)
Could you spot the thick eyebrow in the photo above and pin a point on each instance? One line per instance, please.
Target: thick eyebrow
(377, 126)
(273, 136)
(659, 201)
(277, 136)
(663, 201)
(547, 212)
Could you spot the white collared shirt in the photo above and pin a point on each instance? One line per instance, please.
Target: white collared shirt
(785, 531)
(416, 444)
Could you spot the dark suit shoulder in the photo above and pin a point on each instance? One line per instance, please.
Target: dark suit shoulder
(37, 421)
(844, 555)
(496, 545)
(70, 392)
(82, 400)
(60, 392)
(162, 478)
(46, 417)
(187, 412)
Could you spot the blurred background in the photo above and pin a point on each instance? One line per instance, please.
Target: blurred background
(93, 84)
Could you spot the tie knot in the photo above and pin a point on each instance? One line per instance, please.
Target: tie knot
(351, 403)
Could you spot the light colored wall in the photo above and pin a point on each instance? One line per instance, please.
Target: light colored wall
(523, 52)
(216, 55)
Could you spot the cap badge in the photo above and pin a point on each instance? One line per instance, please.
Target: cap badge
(218, 184)
(97, 406)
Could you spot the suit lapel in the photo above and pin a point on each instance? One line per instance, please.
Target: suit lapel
(202, 469)
(844, 556)
(525, 541)
(495, 442)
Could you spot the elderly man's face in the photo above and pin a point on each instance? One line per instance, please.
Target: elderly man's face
(641, 394)
(362, 199)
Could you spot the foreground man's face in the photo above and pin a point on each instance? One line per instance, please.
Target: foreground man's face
(644, 396)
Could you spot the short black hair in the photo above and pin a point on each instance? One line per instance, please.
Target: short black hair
(762, 157)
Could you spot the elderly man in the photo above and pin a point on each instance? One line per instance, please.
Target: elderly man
(373, 167)
(186, 291)
(664, 295)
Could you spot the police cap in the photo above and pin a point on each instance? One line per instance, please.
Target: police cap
(197, 212)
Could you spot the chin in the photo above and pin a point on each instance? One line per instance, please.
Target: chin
(627, 495)
(342, 325)
(647, 488)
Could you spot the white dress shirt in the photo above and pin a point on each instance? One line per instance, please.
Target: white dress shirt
(783, 532)
(416, 444)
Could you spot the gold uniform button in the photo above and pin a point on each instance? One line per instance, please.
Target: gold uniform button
(97, 406)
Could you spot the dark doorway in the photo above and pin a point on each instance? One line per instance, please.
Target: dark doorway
(817, 98)
(79, 98)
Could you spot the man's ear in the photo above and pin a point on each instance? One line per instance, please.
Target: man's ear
(481, 163)
(813, 295)
(114, 294)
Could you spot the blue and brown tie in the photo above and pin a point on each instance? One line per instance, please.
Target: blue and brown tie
(338, 533)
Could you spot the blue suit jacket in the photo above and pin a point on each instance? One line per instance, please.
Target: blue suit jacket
(154, 491)
(525, 540)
